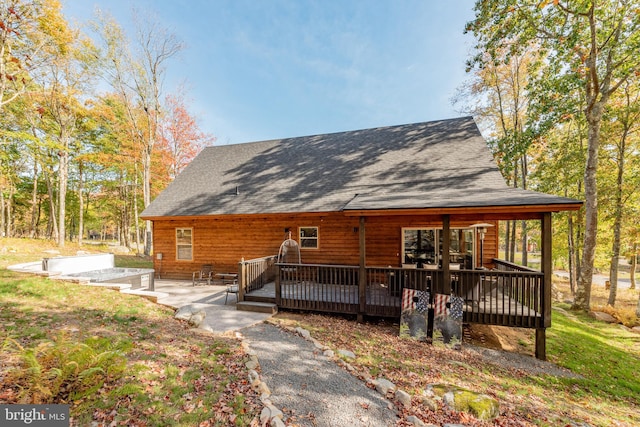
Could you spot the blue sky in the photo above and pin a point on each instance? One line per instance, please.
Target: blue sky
(264, 69)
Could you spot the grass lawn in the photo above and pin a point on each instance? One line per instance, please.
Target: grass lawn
(122, 360)
(116, 359)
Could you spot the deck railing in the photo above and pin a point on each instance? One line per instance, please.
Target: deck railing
(499, 297)
(331, 288)
(253, 274)
(504, 265)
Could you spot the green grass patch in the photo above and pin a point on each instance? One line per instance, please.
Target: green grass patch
(117, 359)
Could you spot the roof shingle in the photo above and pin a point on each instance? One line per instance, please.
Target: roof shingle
(421, 165)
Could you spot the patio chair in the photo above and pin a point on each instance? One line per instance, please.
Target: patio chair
(205, 275)
(232, 289)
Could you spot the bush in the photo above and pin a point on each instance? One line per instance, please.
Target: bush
(62, 370)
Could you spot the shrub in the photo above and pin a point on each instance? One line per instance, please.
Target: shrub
(64, 370)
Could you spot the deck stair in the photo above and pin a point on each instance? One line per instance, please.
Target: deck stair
(257, 307)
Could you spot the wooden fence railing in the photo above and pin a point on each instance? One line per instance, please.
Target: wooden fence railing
(253, 274)
(499, 297)
(331, 288)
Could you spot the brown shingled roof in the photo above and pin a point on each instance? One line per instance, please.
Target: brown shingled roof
(414, 166)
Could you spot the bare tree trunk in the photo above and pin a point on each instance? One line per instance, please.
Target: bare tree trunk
(583, 292)
(63, 178)
(34, 202)
(80, 204)
(634, 265)
(136, 217)
(572, 254)
(512, 242)
(10, 224)
(3, 223)
(52, 227)
(617, 226)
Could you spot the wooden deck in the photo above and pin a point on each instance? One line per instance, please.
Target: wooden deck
(495, 307)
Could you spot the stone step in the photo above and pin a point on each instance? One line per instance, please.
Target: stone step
(258, 307)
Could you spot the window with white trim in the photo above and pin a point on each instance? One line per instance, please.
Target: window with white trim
(184, 244)
(309, 237)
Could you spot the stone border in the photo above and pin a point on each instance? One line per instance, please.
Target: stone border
(429, 398)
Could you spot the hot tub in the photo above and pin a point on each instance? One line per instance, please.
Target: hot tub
(100, 268)
(136, 277)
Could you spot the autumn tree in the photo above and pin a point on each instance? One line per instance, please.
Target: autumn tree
(496, 95)
(621, 123)
(69, 73)
(589, 45)
(180, 136)
(136, 72)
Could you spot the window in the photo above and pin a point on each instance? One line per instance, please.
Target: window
(184, 244)
(309, 237)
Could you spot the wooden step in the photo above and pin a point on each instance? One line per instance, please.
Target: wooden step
(258, 307)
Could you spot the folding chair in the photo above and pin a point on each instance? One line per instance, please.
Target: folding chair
(205, 275)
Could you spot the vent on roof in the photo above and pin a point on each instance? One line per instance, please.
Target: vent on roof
(237, 191)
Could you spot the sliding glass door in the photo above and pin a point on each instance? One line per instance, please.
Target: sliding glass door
(423, 247)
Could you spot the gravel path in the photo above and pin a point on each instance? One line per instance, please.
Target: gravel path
(309, 388)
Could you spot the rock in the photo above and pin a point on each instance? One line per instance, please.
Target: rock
(481, 406)
(197, 318)
(384, 386)
(263, 389)
(254, 378)
(568, 301)
(329, 353)
(428, 402)
(192, 314)
(268, 413)
(277, 422)
(346, 353)
(603, 317)
(415, 421)
(403, 398)
(636, 329)
(252, 363)
(303, 332)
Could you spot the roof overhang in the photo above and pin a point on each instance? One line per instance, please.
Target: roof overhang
(453, 201)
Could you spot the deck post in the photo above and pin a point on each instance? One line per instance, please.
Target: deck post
(362, 282)
(278, 287)
(446, 245)
(546, 266)
(242, 279)
(541, 344)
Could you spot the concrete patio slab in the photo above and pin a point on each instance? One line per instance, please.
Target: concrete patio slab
(220, 318)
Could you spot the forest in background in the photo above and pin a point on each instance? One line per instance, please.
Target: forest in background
(554, 86)
(78, 160)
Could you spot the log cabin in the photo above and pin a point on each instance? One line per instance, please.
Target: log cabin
(372, 211)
